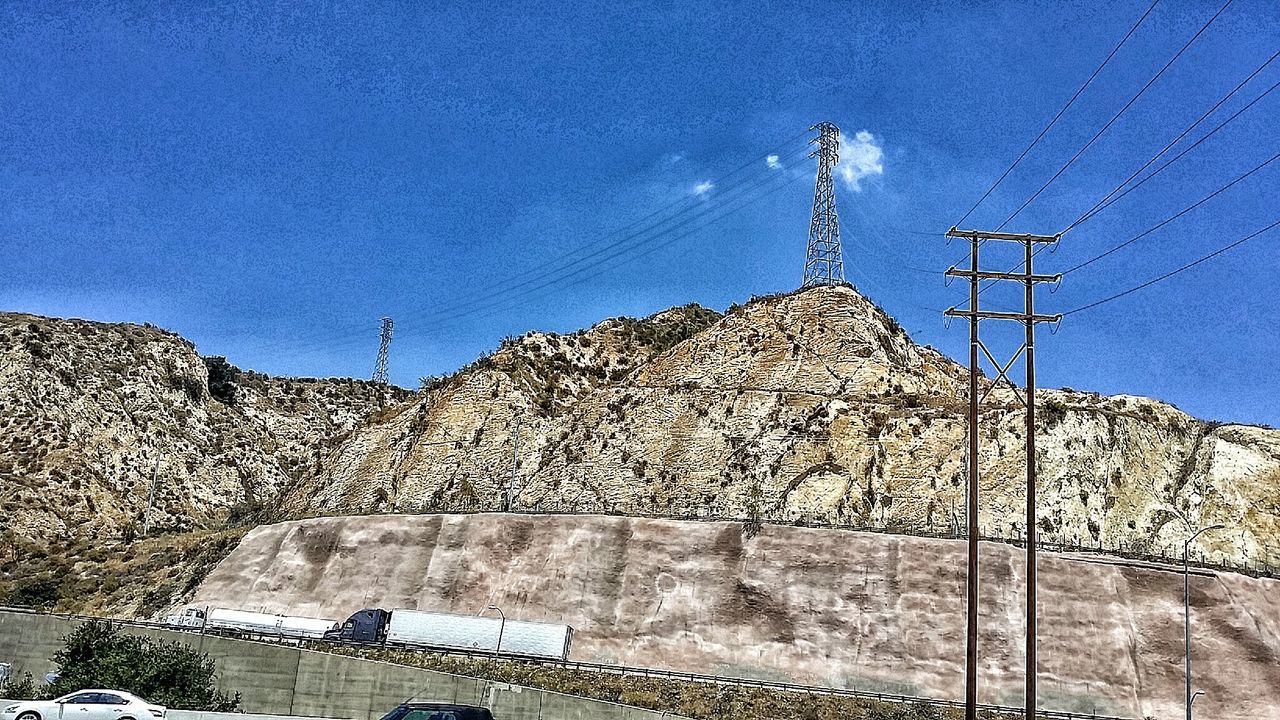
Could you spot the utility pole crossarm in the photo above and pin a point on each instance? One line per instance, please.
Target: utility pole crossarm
(1010, 237)
(992, 275)
(997, 315)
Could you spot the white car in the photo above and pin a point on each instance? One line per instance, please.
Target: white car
(86, 705)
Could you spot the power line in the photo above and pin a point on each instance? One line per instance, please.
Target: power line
(689, 204)
(873, 240)
(1108, 202)
(1084, 216)
(893, 258)
(924, 233)
(1171, 273)
(1116, 117)
(484, 310)
(1162, 223)
(621, 250)
(559, 263)
(1112, 197)
(1060, 112)
(497, 292)
(1173, 217)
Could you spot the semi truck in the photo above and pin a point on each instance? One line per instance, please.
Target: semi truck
(227, 620)
(416, 628)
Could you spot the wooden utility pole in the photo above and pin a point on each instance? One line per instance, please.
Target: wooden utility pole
(1029, 318)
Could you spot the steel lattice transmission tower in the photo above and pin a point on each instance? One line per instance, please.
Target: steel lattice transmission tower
(380, 367)
(824, 264)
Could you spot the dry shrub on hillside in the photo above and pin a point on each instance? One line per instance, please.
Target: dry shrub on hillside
(139, 578)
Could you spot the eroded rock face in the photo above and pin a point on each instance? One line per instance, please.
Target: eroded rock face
(867, 610)
(88, 410)
(768, 413)
(763, 413)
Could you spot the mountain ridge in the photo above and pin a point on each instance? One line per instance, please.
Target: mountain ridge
(812, 405)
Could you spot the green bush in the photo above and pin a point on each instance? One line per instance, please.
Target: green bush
(1052, 413)
(165, 672)
(222, 378)
(23, 688)
(35, 592)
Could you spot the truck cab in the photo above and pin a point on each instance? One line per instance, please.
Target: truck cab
(189, 618)
(368, 625)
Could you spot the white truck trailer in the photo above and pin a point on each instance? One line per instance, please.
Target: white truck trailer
(416, 628)
(243, 621)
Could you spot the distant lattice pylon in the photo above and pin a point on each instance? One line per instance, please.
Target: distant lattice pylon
(824, 263)
(380, 367)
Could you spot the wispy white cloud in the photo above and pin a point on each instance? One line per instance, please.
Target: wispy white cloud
(672, 159)
(773, 162)
(861, 158)
(703, 187)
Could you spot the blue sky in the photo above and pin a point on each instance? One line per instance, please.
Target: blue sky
(269, 180)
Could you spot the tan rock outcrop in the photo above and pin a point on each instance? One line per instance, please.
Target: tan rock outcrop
(809, 405)
(88, 410)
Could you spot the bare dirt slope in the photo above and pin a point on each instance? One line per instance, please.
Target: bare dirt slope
(861, 610)
(813, 404)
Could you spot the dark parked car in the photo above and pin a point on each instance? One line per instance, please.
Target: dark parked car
(438, 711)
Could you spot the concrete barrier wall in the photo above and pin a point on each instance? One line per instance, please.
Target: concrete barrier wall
(202, 715)
(280, 680)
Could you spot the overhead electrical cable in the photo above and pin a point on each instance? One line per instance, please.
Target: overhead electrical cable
(1116, 116)
(1166, 276)
(435, 320)
(1088, 213)
(1113, 197)
(494, 308)
(1157, 226)
(1173, 217)
(1104, 205)
(1059, 114)
(619, 250)
(1054, 120)
(493, 291)
(690, 203)
(676, 206)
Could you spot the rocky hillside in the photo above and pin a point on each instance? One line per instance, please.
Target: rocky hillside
(812, 405)
(452, 447)
(769, 413)
(88, 411)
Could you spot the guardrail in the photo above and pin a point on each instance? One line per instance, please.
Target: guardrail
(573, 665)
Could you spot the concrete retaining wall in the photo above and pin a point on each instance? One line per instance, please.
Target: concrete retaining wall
(279, 680)
(862, 611)
(202, 715)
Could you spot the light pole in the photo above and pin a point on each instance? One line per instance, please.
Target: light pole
(1186, 606)
(502, 626)
(151, 499)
